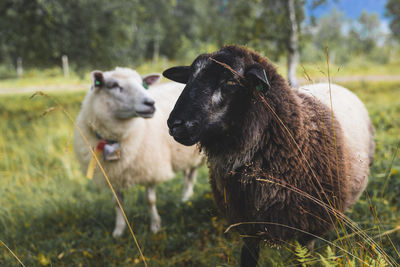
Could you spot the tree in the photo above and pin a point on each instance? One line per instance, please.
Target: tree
(393, 12)
(369, 31)
(293, 40)
(42, 31)
(272, 27)
(329, 34)
(293, 46)
(105, 33)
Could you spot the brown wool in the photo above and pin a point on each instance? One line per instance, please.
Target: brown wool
(287, 173)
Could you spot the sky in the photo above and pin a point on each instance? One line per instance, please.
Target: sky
(352, 8)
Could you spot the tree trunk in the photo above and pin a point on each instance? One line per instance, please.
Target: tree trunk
(65, 66)
(293, 49)
(157, 39)
(156, 51)
(20, 70)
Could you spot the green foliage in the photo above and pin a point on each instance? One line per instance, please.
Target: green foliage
(106, 33)
(362, 39)
(86, 30)
(393, 11)
(263, 25)
(328, 260)
(302, 253)
(103, 34)
(7, 72)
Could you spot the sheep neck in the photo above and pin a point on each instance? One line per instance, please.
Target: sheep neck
(112, 129)
(98, 130)
(100, 137)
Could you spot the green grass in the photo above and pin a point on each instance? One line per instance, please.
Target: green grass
(51, 78)
(357, 68)
(43, 79)
(50, 215)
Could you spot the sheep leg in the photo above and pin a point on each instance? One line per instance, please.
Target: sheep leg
(189, 181)
(250, 252)
(155, 220)
(120, 223)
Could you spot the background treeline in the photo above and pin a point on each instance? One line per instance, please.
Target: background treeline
(104, 33)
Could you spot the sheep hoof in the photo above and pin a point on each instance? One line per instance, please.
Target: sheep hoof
(155, 227)
(117, 232)
(186, 195)
(185, 198)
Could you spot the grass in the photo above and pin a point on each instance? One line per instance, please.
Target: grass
(358, 68)
(52, 78)
(44, 78)
(50, 215)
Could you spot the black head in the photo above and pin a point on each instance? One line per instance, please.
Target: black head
(219, 88)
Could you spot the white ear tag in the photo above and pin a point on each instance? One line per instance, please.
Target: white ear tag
(112, 152)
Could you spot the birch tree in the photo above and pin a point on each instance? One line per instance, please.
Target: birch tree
(293, 45)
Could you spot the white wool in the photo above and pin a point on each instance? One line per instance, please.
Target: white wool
(357, 131)
(149, 154)
(126, 72)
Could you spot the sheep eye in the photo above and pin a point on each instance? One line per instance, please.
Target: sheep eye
(113, 85)
(231, 82)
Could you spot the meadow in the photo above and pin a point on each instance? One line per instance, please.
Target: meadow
(51, 215)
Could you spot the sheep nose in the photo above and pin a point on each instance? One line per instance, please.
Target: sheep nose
(148, 102)
(174, 124)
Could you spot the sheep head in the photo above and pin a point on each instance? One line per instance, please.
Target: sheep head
(121, 94)
(219, 88)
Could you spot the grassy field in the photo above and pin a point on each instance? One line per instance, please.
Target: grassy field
(50, 215)
(53, 80)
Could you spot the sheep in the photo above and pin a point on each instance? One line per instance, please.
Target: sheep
(128, 122)
(282, 165)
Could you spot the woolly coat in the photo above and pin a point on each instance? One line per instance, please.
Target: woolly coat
(282, 168)
(149, 154)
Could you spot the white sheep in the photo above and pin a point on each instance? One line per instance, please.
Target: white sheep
(132, 122)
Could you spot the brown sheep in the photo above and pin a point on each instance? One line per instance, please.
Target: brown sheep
(282, 165)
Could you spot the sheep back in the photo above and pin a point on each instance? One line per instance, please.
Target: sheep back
(358, 133)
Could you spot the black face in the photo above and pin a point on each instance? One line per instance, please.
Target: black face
(211, 100)
(203, 104)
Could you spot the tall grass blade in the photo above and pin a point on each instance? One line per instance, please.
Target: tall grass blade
(12, 253)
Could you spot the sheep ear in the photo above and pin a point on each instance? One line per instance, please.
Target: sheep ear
(151, 78)
(258, 77)
(97, 79)
(178, 74)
